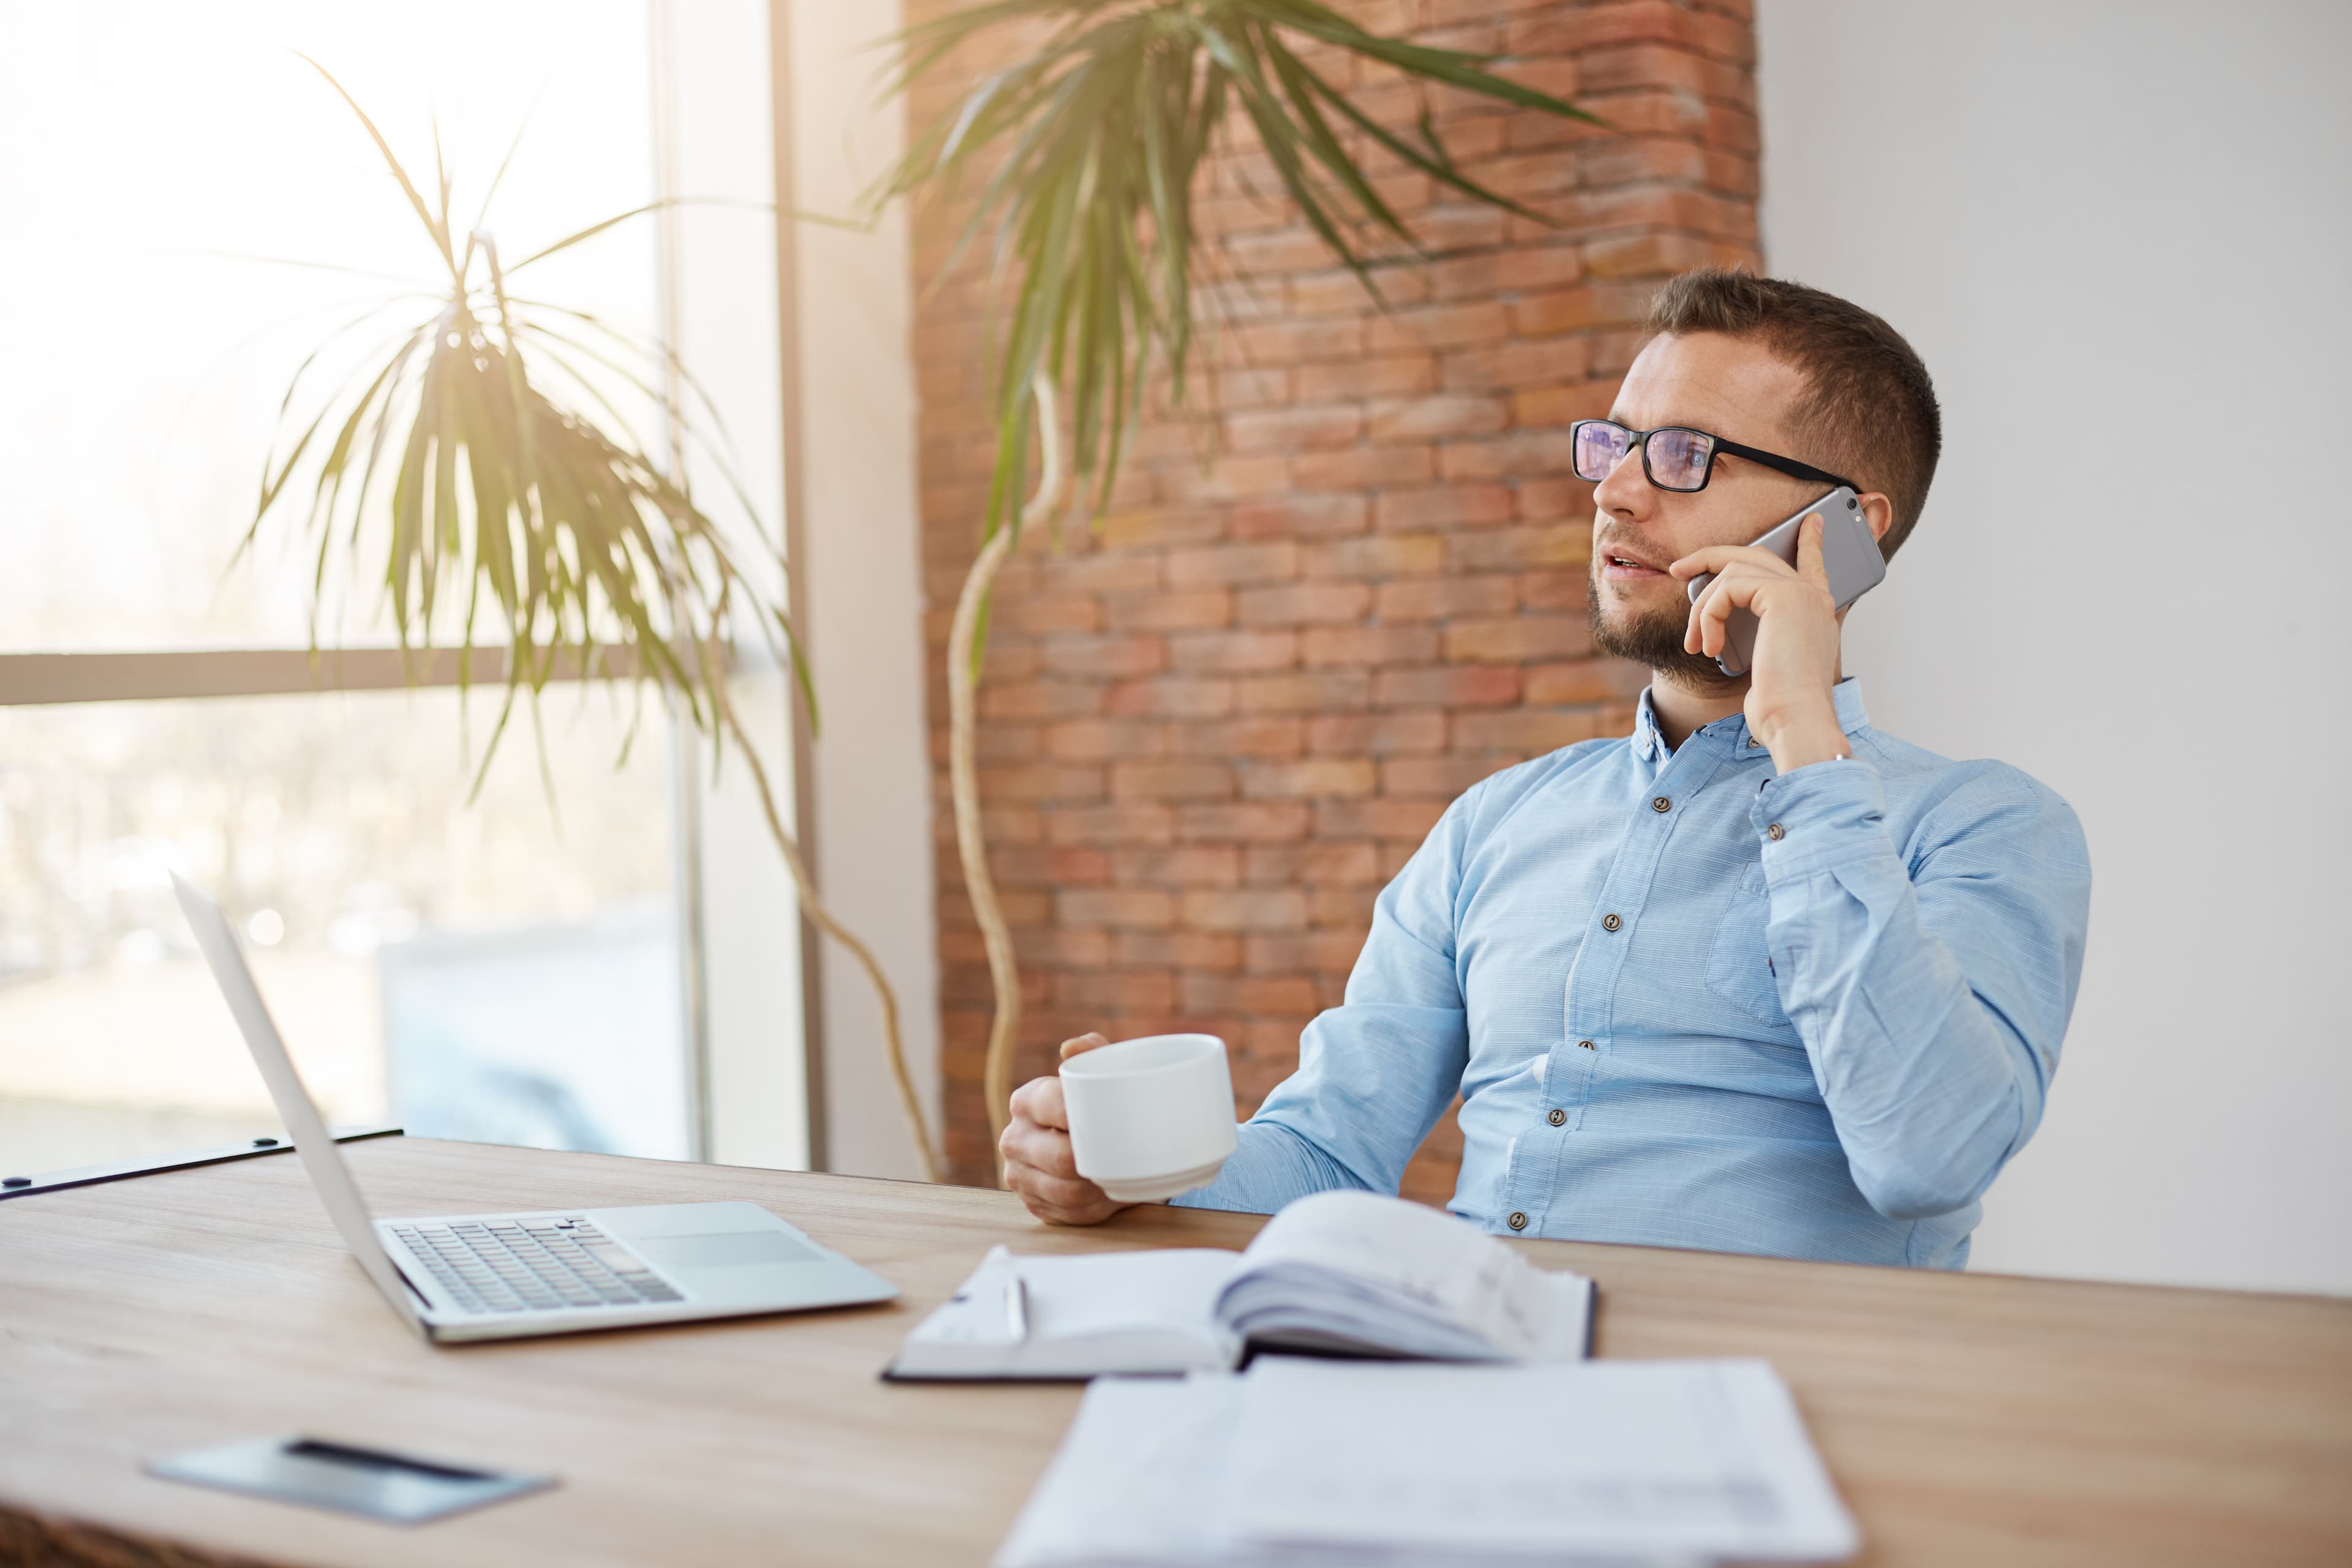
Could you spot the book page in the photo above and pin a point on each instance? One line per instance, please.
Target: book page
(1441, 1266)
(1120, 1292)
(1167, 1291)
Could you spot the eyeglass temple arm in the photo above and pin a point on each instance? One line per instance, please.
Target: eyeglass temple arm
(1788, 466)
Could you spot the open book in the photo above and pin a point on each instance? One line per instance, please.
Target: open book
(1337, 1274)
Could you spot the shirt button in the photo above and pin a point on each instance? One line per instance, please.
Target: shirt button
(1518, 1221)
(1610, 923)
(1752, 741)
(1775, 832)
(1587, 1045)
(1662, 805)
(1557, 1118)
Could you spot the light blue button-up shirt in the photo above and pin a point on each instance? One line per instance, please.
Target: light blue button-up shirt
(1689, 1002)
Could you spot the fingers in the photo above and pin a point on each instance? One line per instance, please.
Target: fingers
(1810, 564)
(1710, 617)
(1040, 1101)
(1718, 557)
(1086, 1042)
(1694, 630)
(1738, 587)
(1059, 1202)
(1038, 1165)
(1038, 1147)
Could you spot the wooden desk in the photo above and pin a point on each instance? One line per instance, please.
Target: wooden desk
(1969, 1420)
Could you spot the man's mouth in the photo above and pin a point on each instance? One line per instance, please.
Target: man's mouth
(1620, 566)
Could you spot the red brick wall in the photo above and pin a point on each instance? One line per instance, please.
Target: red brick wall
(1214, 727)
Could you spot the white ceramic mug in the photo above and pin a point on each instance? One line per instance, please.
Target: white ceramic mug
(1150, 1118)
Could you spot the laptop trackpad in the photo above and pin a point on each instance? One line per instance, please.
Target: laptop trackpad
(725, 1249)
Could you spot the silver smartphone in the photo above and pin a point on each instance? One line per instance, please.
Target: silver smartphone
(1849, 553)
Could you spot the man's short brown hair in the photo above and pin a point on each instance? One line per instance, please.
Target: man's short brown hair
(1870, 413)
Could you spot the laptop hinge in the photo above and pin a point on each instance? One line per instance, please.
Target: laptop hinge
(425, 1323)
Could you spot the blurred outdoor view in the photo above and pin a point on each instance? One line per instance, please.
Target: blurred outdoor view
(335, 830)
(505, 969)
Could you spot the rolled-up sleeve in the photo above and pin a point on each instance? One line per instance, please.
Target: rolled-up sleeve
(1375, 1073)
(1931, 982)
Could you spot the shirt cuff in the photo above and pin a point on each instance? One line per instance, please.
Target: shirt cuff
(1820, 815)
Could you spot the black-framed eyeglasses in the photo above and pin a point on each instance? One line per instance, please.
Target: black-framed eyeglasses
(1674, 457)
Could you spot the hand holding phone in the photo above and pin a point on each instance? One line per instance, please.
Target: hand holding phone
(1849, 555)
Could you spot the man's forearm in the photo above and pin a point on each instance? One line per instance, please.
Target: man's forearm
(1271, 1166)
(1934, 1076)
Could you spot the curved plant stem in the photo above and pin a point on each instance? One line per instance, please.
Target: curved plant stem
(815, 909)
(963, 778)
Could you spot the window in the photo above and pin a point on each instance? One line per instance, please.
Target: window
(525, 967)
(155, 162)
(503, 969)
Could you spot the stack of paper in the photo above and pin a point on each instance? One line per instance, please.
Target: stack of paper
(1324, 1462)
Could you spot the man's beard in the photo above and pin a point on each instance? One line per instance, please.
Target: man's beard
(1654, 638)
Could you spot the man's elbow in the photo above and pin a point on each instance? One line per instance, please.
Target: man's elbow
(1929, 1169)
(1907, 1191)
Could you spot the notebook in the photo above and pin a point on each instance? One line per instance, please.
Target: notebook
(1297, 1461)
(1347, 1274)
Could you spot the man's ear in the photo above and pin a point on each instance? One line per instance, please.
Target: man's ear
(1878, 511)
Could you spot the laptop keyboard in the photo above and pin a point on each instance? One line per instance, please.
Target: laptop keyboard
(532, 1265)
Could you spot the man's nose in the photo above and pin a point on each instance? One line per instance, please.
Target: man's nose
(1625, 489)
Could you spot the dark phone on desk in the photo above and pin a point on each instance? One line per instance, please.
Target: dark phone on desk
(1849, 553)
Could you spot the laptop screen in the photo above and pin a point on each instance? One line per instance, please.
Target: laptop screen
(321, 1157)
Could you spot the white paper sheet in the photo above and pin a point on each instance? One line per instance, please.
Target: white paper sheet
(1707, 1458)
(1137, 1479)
(1141, 1482)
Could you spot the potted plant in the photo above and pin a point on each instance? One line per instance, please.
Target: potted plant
(1081, 158)
(479, 470)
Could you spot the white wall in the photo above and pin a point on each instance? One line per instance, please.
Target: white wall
(2119, 234)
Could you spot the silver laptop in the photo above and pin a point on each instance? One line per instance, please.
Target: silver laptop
(502, 1276)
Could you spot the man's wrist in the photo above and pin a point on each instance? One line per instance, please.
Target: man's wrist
(1803, 739)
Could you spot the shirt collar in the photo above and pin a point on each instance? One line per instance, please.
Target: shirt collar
(1648, 744)
(1852, 717)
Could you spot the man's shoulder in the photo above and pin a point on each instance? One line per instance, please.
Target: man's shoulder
(1945, 796)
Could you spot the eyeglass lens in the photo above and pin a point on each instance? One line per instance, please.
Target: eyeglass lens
(1600, 446)
(1677, 458)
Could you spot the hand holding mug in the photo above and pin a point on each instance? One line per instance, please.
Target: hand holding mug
(1137, 1121)
(1038, 1161)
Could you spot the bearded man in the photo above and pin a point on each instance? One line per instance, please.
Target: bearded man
(1757, 977)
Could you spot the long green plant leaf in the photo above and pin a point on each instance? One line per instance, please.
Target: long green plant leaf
(1087, 151)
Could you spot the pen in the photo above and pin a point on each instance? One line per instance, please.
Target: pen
(1016, 1309)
